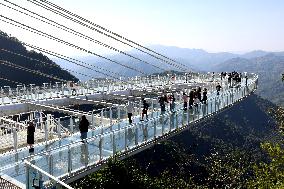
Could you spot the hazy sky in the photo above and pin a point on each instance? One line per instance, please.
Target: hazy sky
(213, 25)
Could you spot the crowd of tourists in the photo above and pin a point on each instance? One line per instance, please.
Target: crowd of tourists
(234, 78)
(190, 100)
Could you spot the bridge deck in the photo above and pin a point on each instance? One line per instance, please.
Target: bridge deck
(69, 154)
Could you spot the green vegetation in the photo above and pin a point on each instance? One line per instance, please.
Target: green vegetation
(11, 45)
(271, 174)
(126, 174)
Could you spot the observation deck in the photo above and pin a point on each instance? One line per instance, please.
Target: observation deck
(61, 157)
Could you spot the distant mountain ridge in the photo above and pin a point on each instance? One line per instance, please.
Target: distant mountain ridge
(268, 65)
(195, 59)
(269, 68)
(205, 60)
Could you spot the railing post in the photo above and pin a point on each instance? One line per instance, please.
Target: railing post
(152, 107)
(198, 110)
(227, 97)
(102, 117)
(118, 113)
(207, 108)
(188, 114)
(203, 109)
(193, 114)
(110, 118)
(15, 136)
(28, 176)
(3, 98)
(69, 160)
(139, 110)
(100, 147)
(46, 134)
(113, 144)
(163, 125)
(50, 164)
(233, 96)
(125, 139)
(155, 128)
(222, 100)
(58, 128)
(215, 107)
(136, 134)
(176, 117)
(71, 124)
(211, 105)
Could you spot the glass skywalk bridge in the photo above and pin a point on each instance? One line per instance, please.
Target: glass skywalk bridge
(69, 159)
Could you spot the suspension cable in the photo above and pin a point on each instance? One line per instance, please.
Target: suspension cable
(38, 32)
(104, 29)
(103, 33)
(74, 32)
(10, 64)
(45, 63)
(12, 81)
(68, 59)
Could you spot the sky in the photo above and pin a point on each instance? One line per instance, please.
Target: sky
(212, 25)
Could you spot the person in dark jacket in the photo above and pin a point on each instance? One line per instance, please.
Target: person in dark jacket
(199, 93)
(162, 101)
(83, 126)
(191, 98)
(172, 102)
(218, 88)
(31, 135)
(204, 98)
(185, 101)
(230, 79)
(145, 110)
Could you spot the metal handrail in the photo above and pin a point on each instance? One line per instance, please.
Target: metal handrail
(48, 175)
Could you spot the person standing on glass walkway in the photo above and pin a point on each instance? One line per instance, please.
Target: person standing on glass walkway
(204, 98)
(31, 136)
(162, 101)
(246, 78)
(185, 101)
(172, 102)
(145, 110)
(83, 127)
(218, 88)
(130, 111)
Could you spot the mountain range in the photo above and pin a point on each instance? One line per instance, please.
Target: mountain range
(269, 65)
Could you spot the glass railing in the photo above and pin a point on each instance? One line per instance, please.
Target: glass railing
(75, 157)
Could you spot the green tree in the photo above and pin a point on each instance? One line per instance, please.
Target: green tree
(270, 174)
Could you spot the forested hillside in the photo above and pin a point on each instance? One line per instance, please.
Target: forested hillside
(269, 68)
(16, 63)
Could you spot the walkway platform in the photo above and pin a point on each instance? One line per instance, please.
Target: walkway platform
(69, 158)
